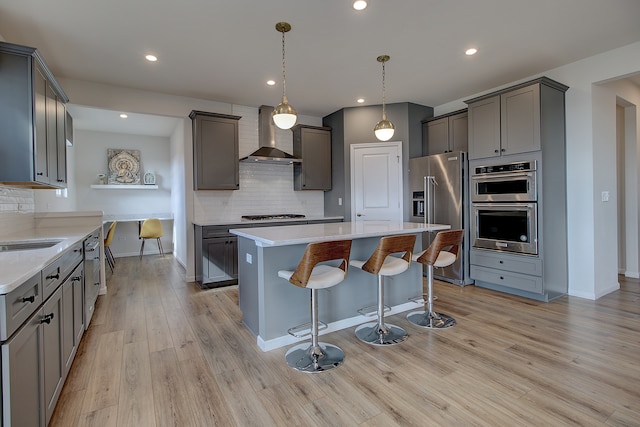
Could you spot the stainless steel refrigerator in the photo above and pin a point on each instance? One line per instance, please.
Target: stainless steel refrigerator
(439, 195)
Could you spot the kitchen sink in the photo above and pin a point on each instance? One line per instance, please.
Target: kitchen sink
(28, 245)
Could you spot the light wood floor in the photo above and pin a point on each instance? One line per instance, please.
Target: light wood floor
(161, 352)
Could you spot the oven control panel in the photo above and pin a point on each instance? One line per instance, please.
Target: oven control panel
(509, 167)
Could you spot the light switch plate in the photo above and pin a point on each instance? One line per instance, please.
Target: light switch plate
(249, 259)
(605, 196)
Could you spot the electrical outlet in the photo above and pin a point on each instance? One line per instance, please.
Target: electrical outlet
(605, 196)
(339, 201)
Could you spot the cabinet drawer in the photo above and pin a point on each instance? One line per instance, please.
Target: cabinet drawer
(18, 305)
(513, 263)
(55, 273)
(506, 278)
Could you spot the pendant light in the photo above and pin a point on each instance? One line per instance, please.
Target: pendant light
(284, 115)
(384, 128)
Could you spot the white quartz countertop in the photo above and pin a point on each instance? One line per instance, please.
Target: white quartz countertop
(18, 266)
(240, 221)
(307, 233)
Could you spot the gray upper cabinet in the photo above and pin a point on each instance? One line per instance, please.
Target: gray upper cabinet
(445, 134)
(32, 116)
(215, 151)
(313, 145)
(509, 122)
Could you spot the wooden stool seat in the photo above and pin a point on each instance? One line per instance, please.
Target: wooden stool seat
(317, 356)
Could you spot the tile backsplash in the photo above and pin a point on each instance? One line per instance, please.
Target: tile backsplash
(17, 207)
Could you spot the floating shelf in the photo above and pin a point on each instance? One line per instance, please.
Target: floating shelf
(124, 187)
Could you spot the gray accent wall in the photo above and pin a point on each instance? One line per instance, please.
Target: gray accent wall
(354, 125)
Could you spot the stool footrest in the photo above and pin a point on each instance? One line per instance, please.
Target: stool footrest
(372, 310)
(304, 330)
(419, 299)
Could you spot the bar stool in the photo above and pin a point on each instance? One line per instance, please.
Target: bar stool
(382, 263)
(436, 256)
(317, 356)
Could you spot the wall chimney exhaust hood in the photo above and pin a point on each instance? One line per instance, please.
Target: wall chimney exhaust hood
(268, 153)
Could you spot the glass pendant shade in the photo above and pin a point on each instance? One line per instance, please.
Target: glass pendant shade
(284, 115)
(384, 130)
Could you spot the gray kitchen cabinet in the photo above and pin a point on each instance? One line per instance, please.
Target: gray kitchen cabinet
(525, 123)
(52, 359)
(510, 121)
(39, 334)
(72, 321)
(215, 151)
(92, 273)
(21, 374)
(312, 145)
(216, 256)
(445, 134)
(33, 140)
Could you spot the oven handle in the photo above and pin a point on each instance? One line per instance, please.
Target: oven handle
(501, 206)
(502, 175)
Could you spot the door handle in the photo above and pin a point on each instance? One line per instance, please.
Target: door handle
(359, 215)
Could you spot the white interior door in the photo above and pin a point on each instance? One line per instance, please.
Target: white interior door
(376, 182)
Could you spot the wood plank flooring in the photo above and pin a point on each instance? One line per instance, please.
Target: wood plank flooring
(161, 352)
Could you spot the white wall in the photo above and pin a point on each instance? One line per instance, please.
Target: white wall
(626, 93)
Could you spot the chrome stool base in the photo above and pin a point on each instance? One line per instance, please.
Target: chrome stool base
(431, 320)
(307, 358)
(373, 333)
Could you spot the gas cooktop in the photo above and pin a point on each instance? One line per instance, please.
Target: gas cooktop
(267, 217)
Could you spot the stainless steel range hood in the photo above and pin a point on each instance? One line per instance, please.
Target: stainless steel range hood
(268, 153)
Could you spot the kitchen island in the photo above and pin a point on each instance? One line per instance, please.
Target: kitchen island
(271, 305)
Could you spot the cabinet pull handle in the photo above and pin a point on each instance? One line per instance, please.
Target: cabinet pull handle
(40, 173)
(61, 180)
(91, 250)
(97, 284)
(76, 278)
(47, 318)
(501, 262)
(54, 276)
(32, 298)
(503, 150)
(495, 151)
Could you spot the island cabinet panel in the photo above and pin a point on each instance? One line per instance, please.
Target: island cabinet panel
(312, 145)
(215, 151)
(33, 141)
(445, 134)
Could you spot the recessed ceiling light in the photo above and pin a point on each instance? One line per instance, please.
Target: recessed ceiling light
(359, 4)
(271, 82)
(471, 51)
(360, 100)
(123, 116)
(151, 58)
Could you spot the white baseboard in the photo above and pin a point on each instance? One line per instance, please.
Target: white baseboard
(285, 340)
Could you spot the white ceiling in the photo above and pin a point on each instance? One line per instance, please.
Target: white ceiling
(226, 50)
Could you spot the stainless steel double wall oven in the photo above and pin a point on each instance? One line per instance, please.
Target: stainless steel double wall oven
(504, 207)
